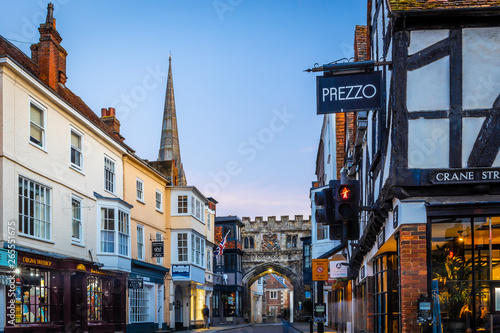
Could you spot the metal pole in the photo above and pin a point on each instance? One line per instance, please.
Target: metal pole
(321, 328)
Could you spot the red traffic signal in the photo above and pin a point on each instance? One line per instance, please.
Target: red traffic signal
(345, 192)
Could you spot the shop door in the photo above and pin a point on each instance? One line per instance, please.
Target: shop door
(78, 299)
(178, 308)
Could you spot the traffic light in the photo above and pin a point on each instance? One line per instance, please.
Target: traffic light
(324, 206)
(324, 201)
(346, 208)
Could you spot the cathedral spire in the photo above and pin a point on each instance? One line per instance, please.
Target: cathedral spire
(169, 144)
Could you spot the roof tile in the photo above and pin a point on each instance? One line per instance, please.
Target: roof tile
(407, 5)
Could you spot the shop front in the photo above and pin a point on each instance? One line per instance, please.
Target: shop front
(227, 304)
(55, 293)
(464, 279)
(146, 299)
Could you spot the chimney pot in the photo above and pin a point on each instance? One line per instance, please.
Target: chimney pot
(104, 112)
(112, 112)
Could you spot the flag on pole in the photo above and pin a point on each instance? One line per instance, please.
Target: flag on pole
(220, 249)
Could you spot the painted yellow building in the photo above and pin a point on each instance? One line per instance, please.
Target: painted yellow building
(145, 187)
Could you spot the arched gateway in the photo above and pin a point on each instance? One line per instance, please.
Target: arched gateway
(274, 246)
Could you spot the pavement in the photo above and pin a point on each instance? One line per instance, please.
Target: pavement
(298, 327)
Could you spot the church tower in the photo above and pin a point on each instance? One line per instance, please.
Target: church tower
(169, 144)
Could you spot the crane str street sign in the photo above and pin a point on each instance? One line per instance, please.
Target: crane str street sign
(349, 92)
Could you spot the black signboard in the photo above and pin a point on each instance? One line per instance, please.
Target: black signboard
(135, 283)
(464, 176)
(350, 92)
(157, 249)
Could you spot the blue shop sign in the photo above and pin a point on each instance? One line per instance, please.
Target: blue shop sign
(181, 271)
(8, 259)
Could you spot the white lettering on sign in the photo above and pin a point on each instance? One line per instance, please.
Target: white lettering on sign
(349, 92)
(448, 176)
(490, 175)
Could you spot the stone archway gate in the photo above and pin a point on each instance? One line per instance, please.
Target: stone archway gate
(276, 245)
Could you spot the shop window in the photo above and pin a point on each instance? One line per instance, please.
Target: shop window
(34, 209)
(465, 268)
(32, 297)
(386, 315)
(94, 298)
(215, 303)
(232, 303)
(140, 304)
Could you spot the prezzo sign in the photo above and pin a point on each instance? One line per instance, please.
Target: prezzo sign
(461, 176)
(353, 92)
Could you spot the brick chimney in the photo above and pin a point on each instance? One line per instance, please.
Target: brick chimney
(49, 54)
(108, 116)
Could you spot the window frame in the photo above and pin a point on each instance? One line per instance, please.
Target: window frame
(140, 242)
(121, 240)
(43, 128)
(180, 246)
(197, 250)
(139, 189)
(159, 238)
(182, 204)
(109, 184)
(47, 207)
(76, 240)
(78, 150)
(271, 292)
(159, 203)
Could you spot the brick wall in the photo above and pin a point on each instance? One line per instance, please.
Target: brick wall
(413, 261)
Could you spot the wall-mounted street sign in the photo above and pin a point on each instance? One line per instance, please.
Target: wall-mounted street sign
(350, 92)
(135, 283)
(338, 269)
(157, 248)
(463, 176)
(320, 269)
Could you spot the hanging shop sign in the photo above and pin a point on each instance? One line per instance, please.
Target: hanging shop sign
(135, 283)
(338, 269)
(350, 92)
(158, 249)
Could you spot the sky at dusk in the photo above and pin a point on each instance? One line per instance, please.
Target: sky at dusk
(246, 111)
